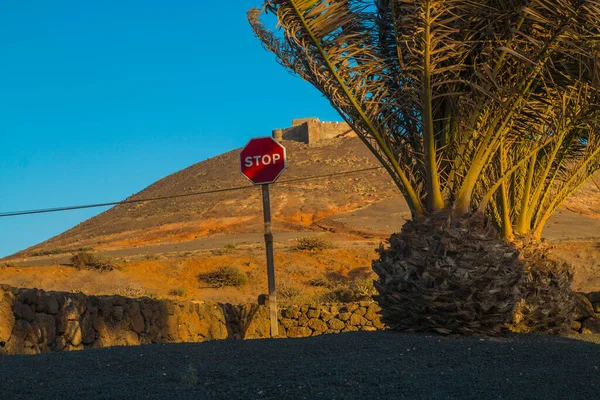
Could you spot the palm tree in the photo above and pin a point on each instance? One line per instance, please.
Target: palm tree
(474, 107)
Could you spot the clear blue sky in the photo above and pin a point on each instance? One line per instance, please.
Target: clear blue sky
(100, 99)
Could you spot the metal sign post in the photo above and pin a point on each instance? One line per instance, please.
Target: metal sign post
(270, 261)
(262, 160)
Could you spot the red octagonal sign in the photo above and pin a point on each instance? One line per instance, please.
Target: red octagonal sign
(262, 160)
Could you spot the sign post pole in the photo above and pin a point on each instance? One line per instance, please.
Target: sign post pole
(262, 160)
(270, 262)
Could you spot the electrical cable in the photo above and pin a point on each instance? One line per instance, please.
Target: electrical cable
(175, 196)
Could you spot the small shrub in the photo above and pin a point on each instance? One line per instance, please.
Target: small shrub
(40, 253)
(227, 249)
(8, 264)
(319, 281)
(92, 261)
(84, 249)
(361, 273)
(179, 292)
(347, 293)
(286, 291)
(132, 291)
(225, 276)
(312, 243)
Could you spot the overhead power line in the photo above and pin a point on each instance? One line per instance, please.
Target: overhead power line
(175, 196)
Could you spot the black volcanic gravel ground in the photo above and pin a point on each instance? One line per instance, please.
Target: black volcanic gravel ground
(361, 365)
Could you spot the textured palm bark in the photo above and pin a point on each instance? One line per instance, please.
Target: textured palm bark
(547, 302)
(448, 275)
(458, 276)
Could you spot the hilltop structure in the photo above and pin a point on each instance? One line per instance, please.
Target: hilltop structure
(311, 130)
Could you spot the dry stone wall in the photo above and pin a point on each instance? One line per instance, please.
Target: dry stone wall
(33, 321)
(318, 319)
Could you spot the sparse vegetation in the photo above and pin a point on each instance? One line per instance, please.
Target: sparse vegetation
(41, 253)
(319, 281)
(227, 249)
(132, 291)
(349, 292)
(8, 264)
(312, 243)
(287, 291)
(329, 290)
(99, 262)
(357, 285)
(179, 292)
(225, 276)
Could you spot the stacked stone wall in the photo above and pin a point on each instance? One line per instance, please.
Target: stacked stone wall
(318, 319)
(33, 321)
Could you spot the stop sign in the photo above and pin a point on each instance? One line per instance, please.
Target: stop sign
(262, 160)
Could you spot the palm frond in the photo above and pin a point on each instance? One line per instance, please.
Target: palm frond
(473, 104)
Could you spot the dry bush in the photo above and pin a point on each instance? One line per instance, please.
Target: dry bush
(312, 243)
(357, 290)
(132, 291)
(225, 276)
(41, 253)
(179, 292)
(289, 293)
(336, 287)
(320, 281)
(98, 262)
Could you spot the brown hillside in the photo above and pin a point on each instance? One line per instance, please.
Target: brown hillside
(296, 206)
(367, 204)
(160, 248)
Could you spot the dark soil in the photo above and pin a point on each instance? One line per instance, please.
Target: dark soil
(377, 365)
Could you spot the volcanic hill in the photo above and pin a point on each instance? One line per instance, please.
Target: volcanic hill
(362, 205)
